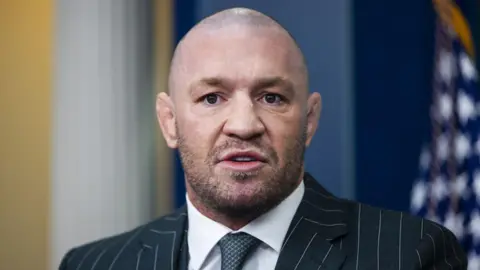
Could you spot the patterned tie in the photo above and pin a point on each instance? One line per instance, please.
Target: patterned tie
(235, 248)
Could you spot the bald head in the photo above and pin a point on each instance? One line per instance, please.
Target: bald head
(239, 16)
(234, 20)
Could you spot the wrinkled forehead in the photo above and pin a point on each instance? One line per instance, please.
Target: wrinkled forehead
(239, 54)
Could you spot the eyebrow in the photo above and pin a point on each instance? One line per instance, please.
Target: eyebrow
(266, 82)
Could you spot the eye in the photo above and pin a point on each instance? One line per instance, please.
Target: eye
(211, 99)
(272, 98)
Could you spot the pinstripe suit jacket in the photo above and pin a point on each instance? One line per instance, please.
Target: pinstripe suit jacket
(325, 233)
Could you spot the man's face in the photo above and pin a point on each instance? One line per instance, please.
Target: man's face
(240, 113)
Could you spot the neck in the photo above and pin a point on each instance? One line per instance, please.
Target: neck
(232, 222)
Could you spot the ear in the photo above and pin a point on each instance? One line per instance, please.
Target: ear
(314, 106)
(166, 118)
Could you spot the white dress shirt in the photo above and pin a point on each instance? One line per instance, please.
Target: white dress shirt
(270, 228)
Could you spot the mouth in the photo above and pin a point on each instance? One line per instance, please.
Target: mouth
(242, 161)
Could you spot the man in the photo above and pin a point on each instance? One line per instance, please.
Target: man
(241, 115)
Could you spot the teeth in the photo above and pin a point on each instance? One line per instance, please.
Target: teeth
(243, 159)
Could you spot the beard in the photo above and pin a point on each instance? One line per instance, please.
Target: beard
(223, 193)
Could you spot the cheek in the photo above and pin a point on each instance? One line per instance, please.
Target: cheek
(199, 132)
(282, 134)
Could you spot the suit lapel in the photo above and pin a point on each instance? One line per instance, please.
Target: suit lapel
(162, 242)
(184, 256)
(313, 237)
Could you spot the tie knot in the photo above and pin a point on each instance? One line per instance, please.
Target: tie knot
(235, 248)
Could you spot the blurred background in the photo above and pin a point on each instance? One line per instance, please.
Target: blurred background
(81, 155)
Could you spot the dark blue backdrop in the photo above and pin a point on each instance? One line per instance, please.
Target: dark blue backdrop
(393, 69)
(184, 18)
(380, 118)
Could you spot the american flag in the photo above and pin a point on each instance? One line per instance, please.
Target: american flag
(448, 188)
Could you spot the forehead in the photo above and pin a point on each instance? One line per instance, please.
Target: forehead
(239, 54)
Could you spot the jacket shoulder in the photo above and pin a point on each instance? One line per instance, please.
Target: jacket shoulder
(108, 248)
(99, 250)
(403, 233)
(414, 229)
(402, 220)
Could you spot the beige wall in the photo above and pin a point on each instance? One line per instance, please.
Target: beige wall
(26, 50)
(25, 92)
(163, 48)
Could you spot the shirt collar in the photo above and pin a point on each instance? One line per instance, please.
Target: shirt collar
(203, 235)
(270, 228)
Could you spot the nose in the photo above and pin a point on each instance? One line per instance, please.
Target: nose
(243, 121)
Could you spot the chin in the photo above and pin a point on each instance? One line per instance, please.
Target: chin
(242, 204)
(237, 203)
(242, 176)
(237, 198)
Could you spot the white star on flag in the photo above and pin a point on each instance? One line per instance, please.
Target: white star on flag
(466, 107)
(467, 68)
(473, 261)
(459, 186)
(439, 188)
(445, 104)
(446, 67)
(454, 223)
(419, 194)
(462, 147)
(474, 226)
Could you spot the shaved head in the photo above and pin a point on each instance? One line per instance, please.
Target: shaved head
(239, 16)
(231, 20)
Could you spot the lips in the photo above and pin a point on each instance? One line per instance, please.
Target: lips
(243, 156)
(242, 161)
